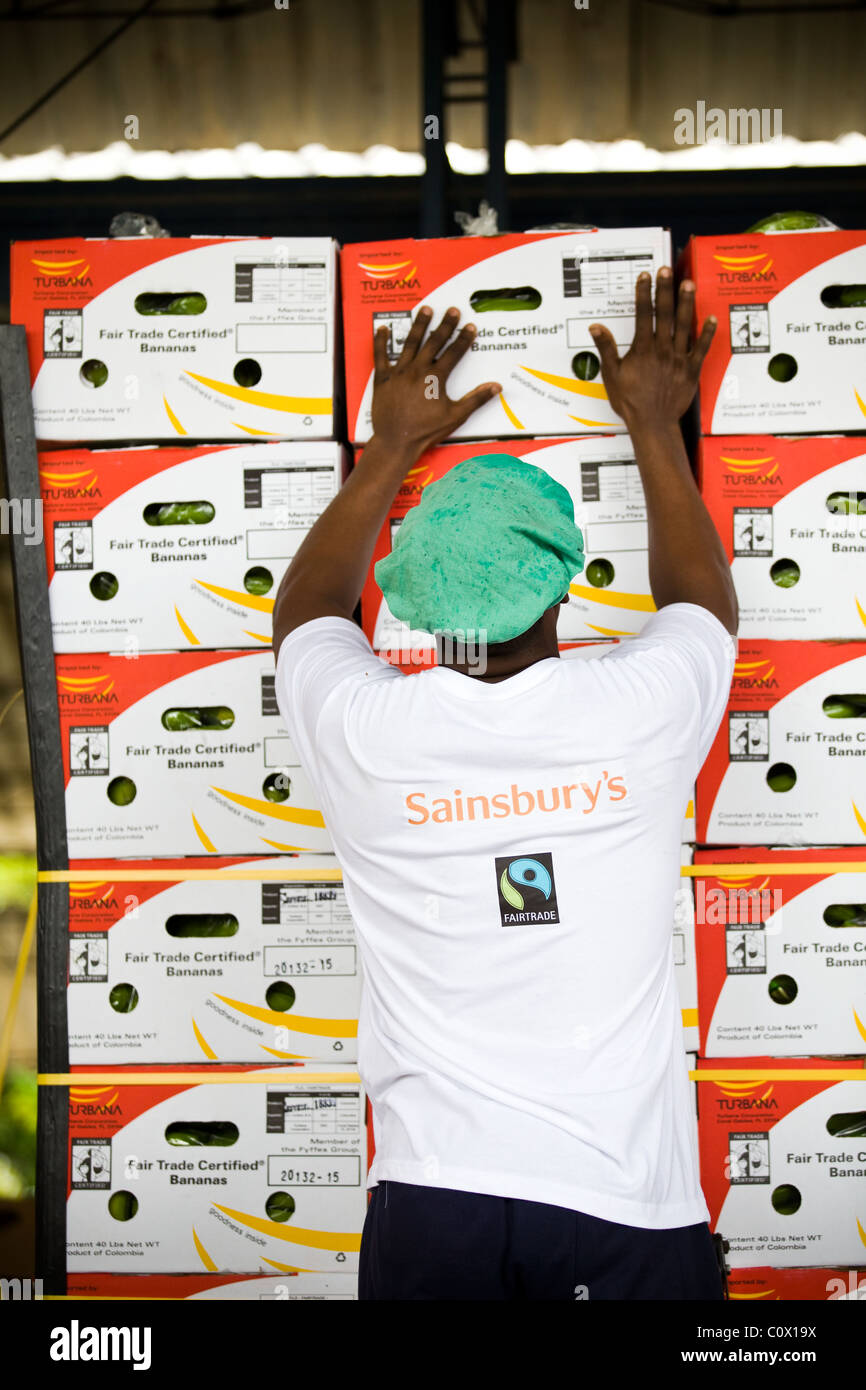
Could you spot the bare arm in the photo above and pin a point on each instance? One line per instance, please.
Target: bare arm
(651, 388)
(411, 412)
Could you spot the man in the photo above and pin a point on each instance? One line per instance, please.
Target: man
(510, 842)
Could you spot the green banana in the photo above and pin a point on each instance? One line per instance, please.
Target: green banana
(793, 222)
(786, 1199)
(781, 777)
(258, 580)
(847, 503)
(178, 303)
(280, 1206)
(201, 717)
(505, 301)
(782, 367)
(844, 706)
(845, 915)
(585, 366)
(178, 513)
(785, 573)
(123, 998)
(280, 995)
(600, 573)
(94, 372)
(844, 296)
(197, 1134)
(848, 1126)
(202, 924)
(103, 586)
(121, 790)
(782, 989)
(123, 1205)
(277, 787)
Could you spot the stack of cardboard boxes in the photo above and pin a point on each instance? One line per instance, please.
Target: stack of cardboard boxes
(217, 1136)
(532, 297)
(781, 918)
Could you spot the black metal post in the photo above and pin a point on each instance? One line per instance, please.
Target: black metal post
(43, 728)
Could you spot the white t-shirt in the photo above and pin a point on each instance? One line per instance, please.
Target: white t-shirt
(511, 856)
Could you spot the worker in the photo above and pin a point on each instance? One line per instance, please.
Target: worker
(509, 835)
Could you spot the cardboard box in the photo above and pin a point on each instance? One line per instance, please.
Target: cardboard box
(792, 515)
(785, 768)
(803, 1285)
(782, 954)
(278, 1288)
(611, 598)
(136, 784)
(155, 548)
(532, 296)
(783, 1159)
(222, 969)
(788, 354)
(284, 1189)
(155, 338)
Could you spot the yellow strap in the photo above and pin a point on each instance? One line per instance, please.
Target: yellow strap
(779, 866)
(778, 1074)
(192, 1078)
(17, 983)
(186, 875)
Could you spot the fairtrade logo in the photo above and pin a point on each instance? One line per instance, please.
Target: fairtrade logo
(526, 888)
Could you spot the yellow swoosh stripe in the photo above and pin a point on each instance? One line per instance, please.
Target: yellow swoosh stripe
(860, 821)
(603, 424)
(295, 1235)
(298, 815)
(259, 636)
(56, 265)
(610, 631)
(217, 1077)
(860, 1029)
(185, 628)
(295, 405)
(860, 611)
(746, 1296)
(860, 401)
(262, 605)
(176, 425)
(278, 844)
(322, 1027)
(205, 839)
(209, 1263)
(862, 1232)
(203, 1044)
(642, 603)
(567, 383)
(284, 1056)
(248, 429)
(518, 424)
(740, 260)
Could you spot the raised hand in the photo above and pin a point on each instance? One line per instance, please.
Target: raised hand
(411, 407)
(655, 382)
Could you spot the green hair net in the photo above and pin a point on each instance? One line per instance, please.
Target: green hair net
(489, 547)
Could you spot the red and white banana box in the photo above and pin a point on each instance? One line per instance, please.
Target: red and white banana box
(221, 960)
(788, 354)
(177, 753)
(783, 1159)
(155, 548)
(792, 516)
(788, 764)
(157, 338)
(781, 952)
(797, 1285)
(532, 295)
(209, 1170)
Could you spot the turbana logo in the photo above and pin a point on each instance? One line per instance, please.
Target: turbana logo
(526, 888)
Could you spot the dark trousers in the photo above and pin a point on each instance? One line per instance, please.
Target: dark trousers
(437, 1243)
